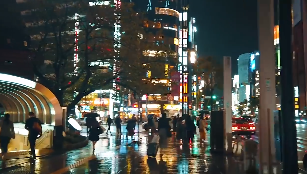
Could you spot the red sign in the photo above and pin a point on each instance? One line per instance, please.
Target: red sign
(175, 77)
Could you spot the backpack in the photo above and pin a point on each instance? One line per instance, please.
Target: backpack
(37, 127)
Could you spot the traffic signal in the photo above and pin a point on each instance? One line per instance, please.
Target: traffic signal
(214, 97)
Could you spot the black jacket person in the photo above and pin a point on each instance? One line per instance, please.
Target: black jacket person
(34, 126)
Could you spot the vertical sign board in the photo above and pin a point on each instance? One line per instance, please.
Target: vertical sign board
(227, 100)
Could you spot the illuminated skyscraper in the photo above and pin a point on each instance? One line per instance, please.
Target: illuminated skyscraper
(243, 71)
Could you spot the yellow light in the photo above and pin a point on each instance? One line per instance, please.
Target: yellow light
(148, 73)
(166, 70)
(185, 88)
(297, 106)
(176, 41)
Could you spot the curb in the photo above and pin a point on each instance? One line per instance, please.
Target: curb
(75, 165)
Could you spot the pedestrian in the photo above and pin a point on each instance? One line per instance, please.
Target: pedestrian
(6, 133)
(202, 126)
(134, 121)
(175, 119)
(164, 130)
(190, 128)
(118, 125)
(109, 122)
(130, 128)
(151, 124)
(34, 126)
(181, 129)
(95, 130)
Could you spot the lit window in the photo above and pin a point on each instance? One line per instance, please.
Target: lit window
(25, 43)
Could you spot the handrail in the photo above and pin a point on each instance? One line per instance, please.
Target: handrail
(42, 138)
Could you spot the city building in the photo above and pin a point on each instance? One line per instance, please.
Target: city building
(244, 76)
(299, 10)
(235, 93)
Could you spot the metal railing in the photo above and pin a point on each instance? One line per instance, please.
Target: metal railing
(45, 136)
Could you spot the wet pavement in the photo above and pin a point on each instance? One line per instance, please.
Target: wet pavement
(116, 155)
(177, 158)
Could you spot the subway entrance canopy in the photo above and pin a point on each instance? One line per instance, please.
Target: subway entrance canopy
(19, 96)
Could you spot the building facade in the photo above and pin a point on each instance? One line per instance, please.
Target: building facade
(244, 76)
(299, 54)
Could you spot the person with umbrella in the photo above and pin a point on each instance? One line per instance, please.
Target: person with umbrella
(90, 119)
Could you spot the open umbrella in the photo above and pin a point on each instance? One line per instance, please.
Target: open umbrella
(94, 115)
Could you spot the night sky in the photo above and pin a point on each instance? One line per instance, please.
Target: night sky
(225, 27)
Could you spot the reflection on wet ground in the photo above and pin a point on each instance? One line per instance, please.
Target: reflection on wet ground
(177, 158)
(116, 155)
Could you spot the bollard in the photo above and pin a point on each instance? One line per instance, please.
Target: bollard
(249, 159)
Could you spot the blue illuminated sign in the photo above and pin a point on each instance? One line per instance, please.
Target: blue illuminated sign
(253, 64)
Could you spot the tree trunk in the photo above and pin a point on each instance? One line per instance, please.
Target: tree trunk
(59, 95)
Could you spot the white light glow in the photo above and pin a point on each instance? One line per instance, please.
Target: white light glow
(99, 3)
(151, 106)
(192, 56)
(74, 124)
(247, 92)
(6, 78)
(296, 94)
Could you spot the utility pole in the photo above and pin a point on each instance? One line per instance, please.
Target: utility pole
(289, 143)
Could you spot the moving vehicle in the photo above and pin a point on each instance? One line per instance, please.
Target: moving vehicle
(243, 126)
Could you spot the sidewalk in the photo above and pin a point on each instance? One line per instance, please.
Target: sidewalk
(177, 158)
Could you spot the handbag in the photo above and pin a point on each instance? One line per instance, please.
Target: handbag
(99, 130)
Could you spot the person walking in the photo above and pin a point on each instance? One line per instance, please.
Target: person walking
(180, 131)
(34, 126)
(109, 122)
(118, 125)
(190, 128)
(175, 119)
(6, 133)
(202, 126)
(94, 131)
(164, 130)
(130, 128)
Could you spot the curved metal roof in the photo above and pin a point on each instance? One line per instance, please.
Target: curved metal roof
(19, 96)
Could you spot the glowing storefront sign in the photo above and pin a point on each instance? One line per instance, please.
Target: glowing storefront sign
(172, 107)
(276, 35)
(176, 41)
(99, 3)
(296, 94)
(167, 11)
(151, 106)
